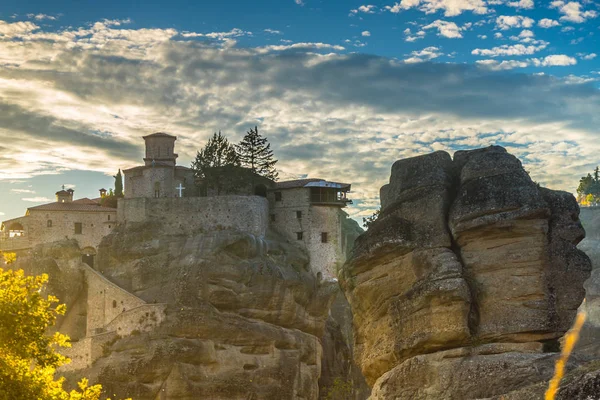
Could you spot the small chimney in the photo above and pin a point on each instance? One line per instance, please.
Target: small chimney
(102, 192)
(70, 191)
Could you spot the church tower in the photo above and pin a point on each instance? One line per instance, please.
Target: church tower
(160, 149)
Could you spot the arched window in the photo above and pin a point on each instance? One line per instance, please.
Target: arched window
(156, 189)
(49, 223)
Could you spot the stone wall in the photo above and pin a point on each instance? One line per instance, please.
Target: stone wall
(142, 182)
(105, 301)
(198, 214)
(95, 225)
(140, 319)
(314, 220)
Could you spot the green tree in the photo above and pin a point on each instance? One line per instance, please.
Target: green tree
(118, 184)
(255, 154)
(28, 359)
(214, 166)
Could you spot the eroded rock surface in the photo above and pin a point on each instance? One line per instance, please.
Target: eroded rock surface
(470, 274)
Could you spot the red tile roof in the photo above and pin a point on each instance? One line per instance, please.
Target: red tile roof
(72, 206)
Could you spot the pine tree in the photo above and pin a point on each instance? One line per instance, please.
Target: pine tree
(119, 184)
(214, 164)
(255, 154)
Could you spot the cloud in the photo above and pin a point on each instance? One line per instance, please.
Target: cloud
(409, 37)
(572, 11)
(365, 33)
(495, 65)
(37, 199)
(509, 50)
(547, 23)
(9, 30)
(273, 31)
(22, 191)
(299, 2)
(446, 29)
(526, 4)
(587, 57)
(41, 17)
(427, 54)
(504, 22)
(555, 60)
(81, 99)
(451, 8)
(367, 9)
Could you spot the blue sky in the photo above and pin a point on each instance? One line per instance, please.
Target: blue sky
(341, 88)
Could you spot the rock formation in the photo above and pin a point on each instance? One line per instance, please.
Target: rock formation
(466, 281)
(245, 318)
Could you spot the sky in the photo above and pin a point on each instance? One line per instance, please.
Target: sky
(340, 88)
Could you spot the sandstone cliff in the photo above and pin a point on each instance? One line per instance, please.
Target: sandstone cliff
(464, 284)
(243, 316)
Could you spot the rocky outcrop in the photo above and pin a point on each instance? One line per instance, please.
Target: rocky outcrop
(466, 280)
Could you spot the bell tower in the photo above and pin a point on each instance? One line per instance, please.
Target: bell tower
(160, 148)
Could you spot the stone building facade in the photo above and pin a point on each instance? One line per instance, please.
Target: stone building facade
(84, 220)
(309, 213)
(159, 176)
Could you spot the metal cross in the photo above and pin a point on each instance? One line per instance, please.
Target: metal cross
(180, 188)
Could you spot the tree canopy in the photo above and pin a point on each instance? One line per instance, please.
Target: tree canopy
(213, 164)
(28, 359)
(255, 154)
(588, 191)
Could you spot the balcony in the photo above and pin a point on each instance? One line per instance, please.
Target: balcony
(328, 197)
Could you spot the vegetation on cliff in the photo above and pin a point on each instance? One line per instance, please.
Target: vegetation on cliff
(588, 191)
(28, 357)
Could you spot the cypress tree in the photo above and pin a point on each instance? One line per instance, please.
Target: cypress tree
(119, 184)
(255, 154)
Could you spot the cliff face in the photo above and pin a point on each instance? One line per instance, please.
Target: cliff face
(470, 274)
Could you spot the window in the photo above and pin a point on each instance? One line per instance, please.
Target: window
(299, 235)
(109, 217)
(299, 214)
(78, 228)
(49, 223)
(114, 304)
(272, 217)
(277, 196)
(323, 237)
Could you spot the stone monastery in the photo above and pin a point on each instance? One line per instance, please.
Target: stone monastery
(306, 211)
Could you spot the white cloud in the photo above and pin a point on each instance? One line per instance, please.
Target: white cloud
(273, 31)
(498, 35)
(365, 33)
(509, 50)
(37, 199)
(9, 30)
(428, 53)
(451, 8)
(367, 9)
(504, 22)
(567, 29)
(547, 23)
(41, 17)
(482, 37)
(300, 46)
(502, 65)
(554, 60)
(586, 57)
(572, 11)
(527, 4)
(22, 191)
(446, 29)
(299, 2)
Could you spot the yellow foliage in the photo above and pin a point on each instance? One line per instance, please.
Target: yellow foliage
(28, 359)
(9, 258)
